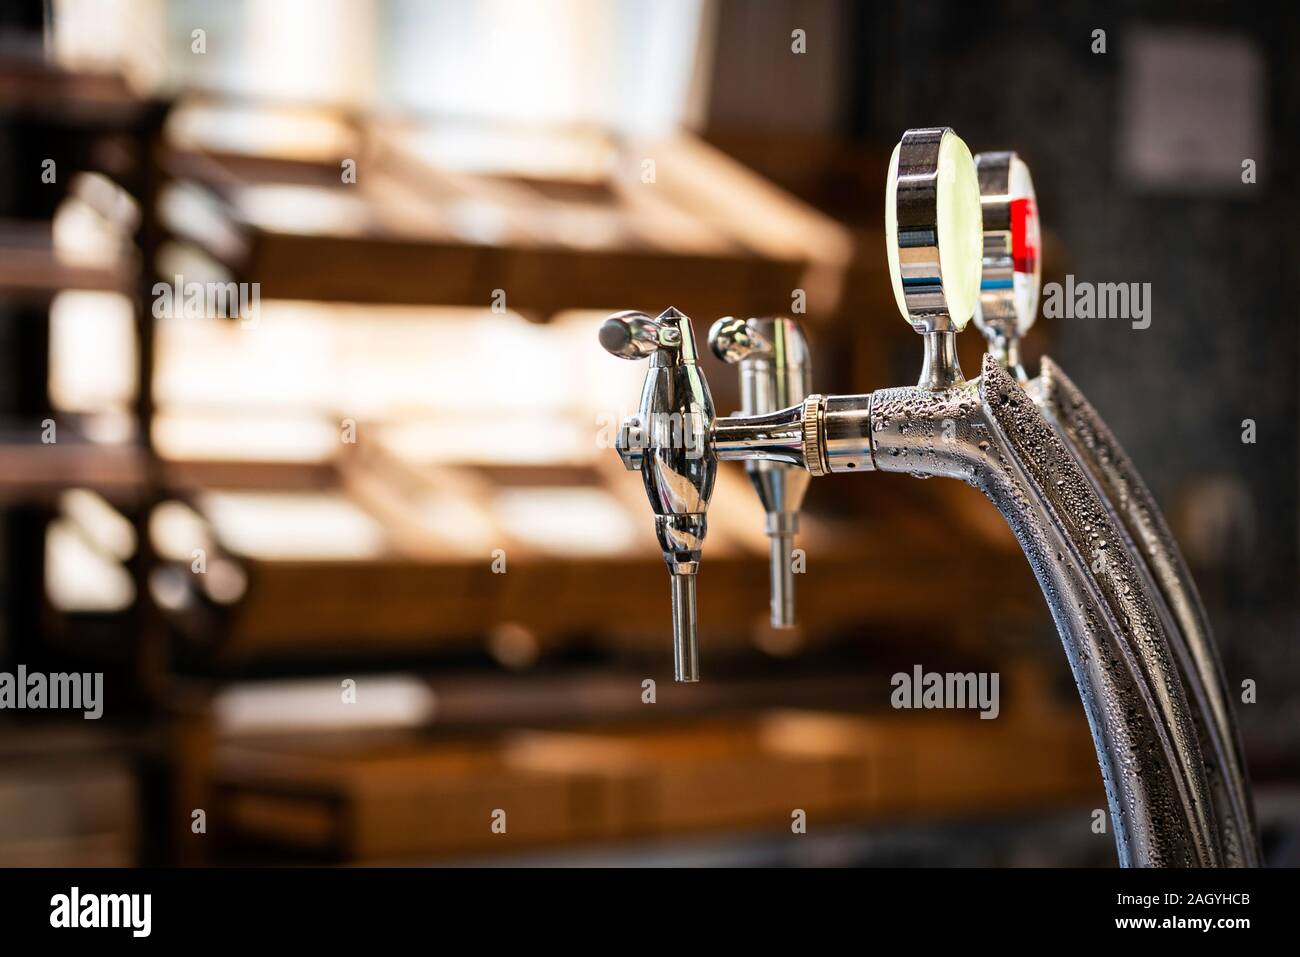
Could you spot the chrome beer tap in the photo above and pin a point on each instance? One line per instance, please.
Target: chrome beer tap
(668, 442)
(989, 433)
(1008, 307)
(774, 374)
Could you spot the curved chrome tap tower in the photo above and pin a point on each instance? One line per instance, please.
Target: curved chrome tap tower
(1008, 308)
(1121, 598)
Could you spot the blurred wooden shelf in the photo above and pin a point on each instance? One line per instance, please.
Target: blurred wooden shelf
(32, 470)
(587, 786)
(31, 270)
(331, 608)
(191, 475)
(99, 101)
(367, 567)
(418, 227)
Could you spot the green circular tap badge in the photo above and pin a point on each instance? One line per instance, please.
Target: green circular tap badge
(935, 244)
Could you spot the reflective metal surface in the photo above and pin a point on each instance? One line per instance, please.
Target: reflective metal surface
(940, 368)
(669, 442)
(1148, 538)
(932, 234)
(776, 437)
(991, 435)
(1012, 261)
(1118, 591)
(774, 373)
(1008, 308)
(932, 268)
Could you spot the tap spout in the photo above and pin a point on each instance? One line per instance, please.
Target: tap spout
(686, 632)
(772, 437)
(775, 370)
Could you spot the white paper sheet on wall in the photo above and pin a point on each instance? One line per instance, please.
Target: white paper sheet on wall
(1191, 106)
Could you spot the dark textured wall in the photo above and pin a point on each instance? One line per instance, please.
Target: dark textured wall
(1223, 264)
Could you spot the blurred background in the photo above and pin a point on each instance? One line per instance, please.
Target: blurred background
(355, 558)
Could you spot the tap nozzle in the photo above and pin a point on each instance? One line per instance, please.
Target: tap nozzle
(670, 442)
(1012, 264)
(781, 530)
(774, 374)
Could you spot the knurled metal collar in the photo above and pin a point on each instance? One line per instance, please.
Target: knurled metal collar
(814, 452)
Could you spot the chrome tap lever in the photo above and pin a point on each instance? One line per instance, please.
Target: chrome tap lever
(669, 441)
(1012, 266)
(774, 375)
